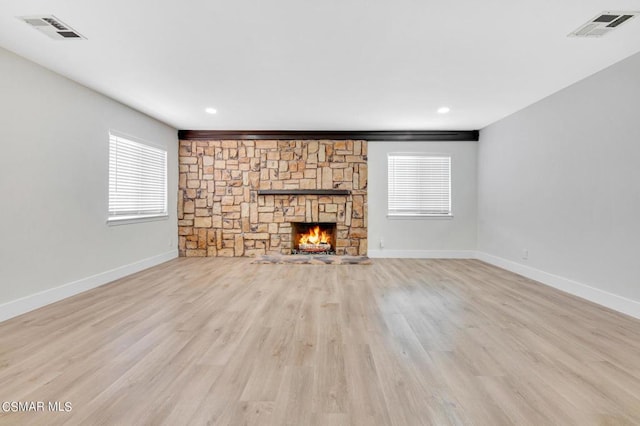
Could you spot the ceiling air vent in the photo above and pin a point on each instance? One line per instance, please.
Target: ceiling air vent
(603, 23)
(52, 27)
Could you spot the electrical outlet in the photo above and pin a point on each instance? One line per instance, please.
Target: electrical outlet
(381, 243)
(525, 254)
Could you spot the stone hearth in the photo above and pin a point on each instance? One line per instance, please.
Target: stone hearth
(302, 259)
(221, 213)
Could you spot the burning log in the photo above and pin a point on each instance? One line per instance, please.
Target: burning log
(314, 248)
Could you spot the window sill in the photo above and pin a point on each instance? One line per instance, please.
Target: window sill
(126, 220)
(419, 217)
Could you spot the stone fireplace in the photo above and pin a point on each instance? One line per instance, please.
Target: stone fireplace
(243, 197)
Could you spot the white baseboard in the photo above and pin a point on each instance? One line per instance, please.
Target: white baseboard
(38, 300)
(422, 254)
(601, 297)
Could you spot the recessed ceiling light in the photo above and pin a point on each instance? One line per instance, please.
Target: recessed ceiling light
(443, 110)
(211, 110)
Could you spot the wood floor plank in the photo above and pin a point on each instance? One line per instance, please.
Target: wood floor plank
(398, 342)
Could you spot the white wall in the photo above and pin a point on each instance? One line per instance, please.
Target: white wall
(561, 178)
(435, 237)
(53, 189)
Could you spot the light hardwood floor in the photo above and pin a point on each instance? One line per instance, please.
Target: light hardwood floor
(400, 342)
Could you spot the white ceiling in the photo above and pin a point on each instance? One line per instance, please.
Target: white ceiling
(323, 65)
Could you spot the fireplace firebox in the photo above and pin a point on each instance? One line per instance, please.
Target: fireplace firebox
(313, 238)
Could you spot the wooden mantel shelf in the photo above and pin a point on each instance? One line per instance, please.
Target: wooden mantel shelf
(304, 192)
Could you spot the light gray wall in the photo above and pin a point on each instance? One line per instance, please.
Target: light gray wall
(561, 179)
(54, 182)
(434, 237)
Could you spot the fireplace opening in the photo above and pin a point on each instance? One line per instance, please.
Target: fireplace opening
(313, 238)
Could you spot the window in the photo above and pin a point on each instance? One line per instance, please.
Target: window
(137, 179)
(419, 185)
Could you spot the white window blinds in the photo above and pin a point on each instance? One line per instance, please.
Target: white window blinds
(137, 179)
(419, 185)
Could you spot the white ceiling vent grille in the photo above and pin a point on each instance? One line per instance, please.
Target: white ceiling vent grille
(52, 27)
(603, 23)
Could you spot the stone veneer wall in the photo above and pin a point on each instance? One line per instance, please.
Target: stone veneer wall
(221, 214)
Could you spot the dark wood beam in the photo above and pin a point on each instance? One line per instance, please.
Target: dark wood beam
(369, 135)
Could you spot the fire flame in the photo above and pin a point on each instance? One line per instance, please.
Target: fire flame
(314, 236)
